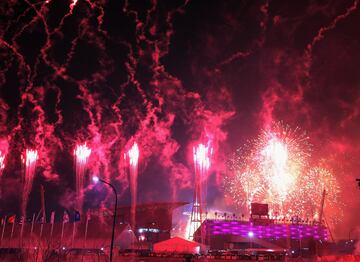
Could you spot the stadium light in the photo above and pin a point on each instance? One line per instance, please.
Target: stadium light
(95, 179)
(251, 235)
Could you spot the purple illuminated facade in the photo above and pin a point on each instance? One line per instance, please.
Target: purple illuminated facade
(233, 231)
(273, 231)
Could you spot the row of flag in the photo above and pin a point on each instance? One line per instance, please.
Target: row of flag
(66, 218)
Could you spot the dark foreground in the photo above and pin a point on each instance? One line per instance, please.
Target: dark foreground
(99, 256)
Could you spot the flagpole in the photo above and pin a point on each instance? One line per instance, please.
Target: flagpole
(86, 226)
(32, 224)
(22, 220)
(12, 229)
(64, 220)
(41, 227)
(52, 218)
(43, 220)
(73, 234)
(62, 231)
(51, 231)
(3, 230)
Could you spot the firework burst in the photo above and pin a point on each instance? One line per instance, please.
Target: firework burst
(274, 169)
(310, 187)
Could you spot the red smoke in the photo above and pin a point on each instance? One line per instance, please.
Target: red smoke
(168, 75)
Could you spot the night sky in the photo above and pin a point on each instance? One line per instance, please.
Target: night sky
(169, 74)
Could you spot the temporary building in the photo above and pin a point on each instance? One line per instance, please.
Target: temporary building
(178, 245)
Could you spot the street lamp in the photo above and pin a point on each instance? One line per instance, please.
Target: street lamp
(96, 179)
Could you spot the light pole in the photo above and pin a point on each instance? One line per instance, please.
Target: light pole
(350, 231)
(97, 179)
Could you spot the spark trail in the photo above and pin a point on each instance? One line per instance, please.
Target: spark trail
(133, 83)
(29, 160)
(63, 35)
(132, 155)
(275, 169)
(2, 165)
(81, 153)
(268, 168)
(201, 157)
(2, 162)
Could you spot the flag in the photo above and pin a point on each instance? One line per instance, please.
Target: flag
(65, 217)
(11, 219)
(52, 217)
(77, 216)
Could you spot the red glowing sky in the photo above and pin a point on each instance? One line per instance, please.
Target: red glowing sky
(168, 74)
